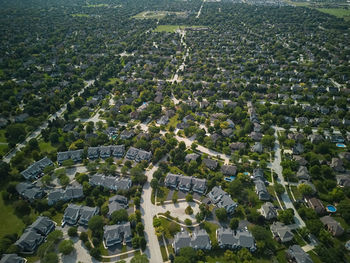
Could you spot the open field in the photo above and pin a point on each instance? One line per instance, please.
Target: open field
(338, 12)
(157, 14)
(9, 222)
(172, 28)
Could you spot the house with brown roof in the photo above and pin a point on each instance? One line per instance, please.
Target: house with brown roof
(316, 205)
(332, 226)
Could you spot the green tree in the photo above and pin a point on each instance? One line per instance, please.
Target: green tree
(286, 216)
(140, 259)
(234, 222)
(221, 214)
(120, 215)
(66, 247)
(279, 188)
(73, 231)
(95, 224)
(305, 189)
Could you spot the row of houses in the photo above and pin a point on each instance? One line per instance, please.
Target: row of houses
(35, 234)
(116, 203)
(74, 214)
(76, 156)
(29, 191)
(222, 199)
(260, 184)
(116, 234)
(117, 151)
(138, 155)
(68, 194)
(110, 182)
(228, 238)
(198, 240)
(185, 183)
(35, 170)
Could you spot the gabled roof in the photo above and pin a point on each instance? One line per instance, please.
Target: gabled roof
(298, 254)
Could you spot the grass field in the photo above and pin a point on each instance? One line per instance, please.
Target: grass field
(9, 222)
(338, 12)
(80, 15)
(2, 136)
(211, 229)
(156, 14)
(171, 28)
(46, 147)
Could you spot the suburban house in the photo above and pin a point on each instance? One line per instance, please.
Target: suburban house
(303, 173)
(296, 254)
(222, 199)
(332, 226)
(185, 183)
(35, 170)
(227, 238)
(110, 182)
(281, 232)
(126, 134)
(171, 180)
(35, 234)
(93, 153)
(236, 146)
(343, 180)
(29, 191)
(86, 213)
(138, 155)
(199, 240)
(79, 214)
(70, 193)
(261, 190)
(76, 156)
(12, 258)
(199, 185)
(106, 151)
(191, 157)
(268, 211)
(116, 234)
(118, 151)
(116, 203)
(211, 164)
(228, 170)
(337, 165)
(316, 205)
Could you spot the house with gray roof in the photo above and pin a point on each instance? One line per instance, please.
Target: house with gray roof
(93, 153)
(116, 234)
(29, 241)
(76, 156)
(296, 254)
(343, 180)
(12, 258)
(70, 193)
(55, 196)
(268, 211)
(261, 190)
(138, 155)
(199, 185)
(222, 199)
(181, 240)
(171, 180)
(303, 173)
(228, 170)
(35, 170)
(200, 240)
(337, 165)
(110, 182)
(43, 225)
(227, 238)
(86, 213)
(281, 232)
(257, 148)
(116, 203)
(126, 134)
(191, 157)
(211, 164)
(185, 183)
(118, 151)
(29, 191)
(332, 226)
(71, 214)
(105, 152)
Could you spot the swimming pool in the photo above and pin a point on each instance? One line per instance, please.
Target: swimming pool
(341, 145)
(230, 179)
(331, 209)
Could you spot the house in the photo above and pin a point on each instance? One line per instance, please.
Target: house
(281, 232)
(257, 148)
(105, 152)
(228, 170)
(268, 211)
(227, 132)
(55, 196)
(200, 240)
(76, 156)
(315, 138)
(337, 165)
(29, 191)
(236, 146)
(171, 180)
(316, 205)
(116, 234)
(191, 157)
(93, 153)
(12, 258)
(211, 164)
(181, 240)
(228, 238)
(300, 160)
(71, 214)
(302, 120)
(22, 117)
(86, 213)
(185, 183)
(296, 254)
(126, 134)
(138, 155)
(35, 170)
(298, 149)
(29, 241)
(332, 226)
(258, 174)
(222, 199)
(118, 151)
(303, 173)
(199, 185)
(110, 182)
(261, 190)
(111, 132)
(343, 180)
(345, 155)
(116, 203)
(43, 225)
(163, 120)
(70, 193)
(256, 136)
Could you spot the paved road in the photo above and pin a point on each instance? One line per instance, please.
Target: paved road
(276, 166)
(7, 158)
(148, 211)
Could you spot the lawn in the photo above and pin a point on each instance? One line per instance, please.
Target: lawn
(162, 194)
(2, 136)
(58, 218)
(156, 14)
(338, 12)
(211, 229)
(169, 233)
(9, 222)
(164, 254)
(3, 149)
(171, 28)
(173, 122)
(297, 194)
(80, 15)
(46, 147)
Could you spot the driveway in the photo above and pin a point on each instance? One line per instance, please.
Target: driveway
(178, 210)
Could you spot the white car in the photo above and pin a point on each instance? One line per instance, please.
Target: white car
(63, 223)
